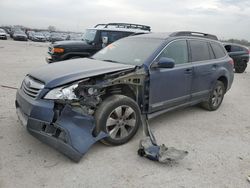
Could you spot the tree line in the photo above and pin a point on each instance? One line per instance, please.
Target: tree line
(237, 41)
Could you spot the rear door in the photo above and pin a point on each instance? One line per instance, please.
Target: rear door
(171, 87)
(205, 67)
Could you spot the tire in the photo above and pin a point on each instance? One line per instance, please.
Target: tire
(216, 97)
(240, 67)
(120, 117)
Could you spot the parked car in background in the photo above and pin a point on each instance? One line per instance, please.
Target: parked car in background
(20, 35)
(56, 37)
(30, 34)
(14, 30)
(47, 35)
(72, 104)
(3, 34)
(38, 37)
(76, 36)
(93, 40)
(240, 55)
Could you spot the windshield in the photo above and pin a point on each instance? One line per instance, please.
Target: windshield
(89, 35)
(19, 32)
(132, 51)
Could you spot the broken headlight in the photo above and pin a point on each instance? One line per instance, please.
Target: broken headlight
(66, 93)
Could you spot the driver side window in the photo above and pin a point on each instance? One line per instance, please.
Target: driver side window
(177, 50)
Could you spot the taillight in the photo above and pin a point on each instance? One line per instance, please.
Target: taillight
(231, 62)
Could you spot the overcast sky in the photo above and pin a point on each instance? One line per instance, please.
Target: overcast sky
(225, 18)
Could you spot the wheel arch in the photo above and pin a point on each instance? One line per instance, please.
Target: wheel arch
(121, 89)
(224, 80)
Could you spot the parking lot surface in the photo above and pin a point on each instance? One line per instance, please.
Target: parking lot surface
(218, 142)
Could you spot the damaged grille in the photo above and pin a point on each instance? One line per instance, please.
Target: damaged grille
(32, 87)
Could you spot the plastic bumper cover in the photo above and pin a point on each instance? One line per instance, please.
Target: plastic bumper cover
(71, 133)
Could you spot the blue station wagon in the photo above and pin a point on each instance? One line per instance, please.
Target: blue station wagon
(72, 104)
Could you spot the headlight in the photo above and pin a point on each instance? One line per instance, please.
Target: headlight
(62, 93)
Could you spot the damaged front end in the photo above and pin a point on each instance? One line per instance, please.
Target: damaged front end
(64, 117)
(71, 134)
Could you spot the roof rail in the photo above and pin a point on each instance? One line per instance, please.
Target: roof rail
(126, 25)
(194, 34)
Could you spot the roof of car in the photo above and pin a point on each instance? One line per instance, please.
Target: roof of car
(154, 35)
(166, 35)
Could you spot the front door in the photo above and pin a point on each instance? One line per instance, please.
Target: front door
(171, 86)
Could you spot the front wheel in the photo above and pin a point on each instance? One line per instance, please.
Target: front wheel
(120, 117)
(216, 97)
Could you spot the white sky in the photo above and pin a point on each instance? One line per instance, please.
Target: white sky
(225, 18)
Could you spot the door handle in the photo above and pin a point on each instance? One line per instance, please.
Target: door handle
(188, 71)
(214, 66)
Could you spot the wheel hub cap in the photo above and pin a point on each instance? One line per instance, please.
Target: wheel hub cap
(121, 122)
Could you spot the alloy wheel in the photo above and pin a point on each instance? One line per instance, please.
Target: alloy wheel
(121, 122)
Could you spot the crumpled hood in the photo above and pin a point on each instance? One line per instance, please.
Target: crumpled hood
(60, 73)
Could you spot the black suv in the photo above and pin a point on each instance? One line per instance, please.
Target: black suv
(240, 55)
(93, 40)
(73, 104)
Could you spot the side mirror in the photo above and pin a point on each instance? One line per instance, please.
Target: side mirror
(105, 40)
(164, 62)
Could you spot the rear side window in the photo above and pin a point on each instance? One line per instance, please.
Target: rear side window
(177, 50)
(218, 50)
(114, 36)
(126, 34)
(199, 50)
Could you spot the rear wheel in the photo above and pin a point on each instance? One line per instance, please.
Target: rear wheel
(216, 97)
(240, 67)
(119, 116)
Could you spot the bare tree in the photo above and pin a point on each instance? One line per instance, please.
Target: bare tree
(51, 28)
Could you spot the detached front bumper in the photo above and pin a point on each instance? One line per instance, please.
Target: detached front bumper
(70, 133)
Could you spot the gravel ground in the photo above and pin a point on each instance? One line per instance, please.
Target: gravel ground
(218, 142)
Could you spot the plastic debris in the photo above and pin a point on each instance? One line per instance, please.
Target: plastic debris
(149, 148)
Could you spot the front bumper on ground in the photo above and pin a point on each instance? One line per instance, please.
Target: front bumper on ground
(71, 133)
